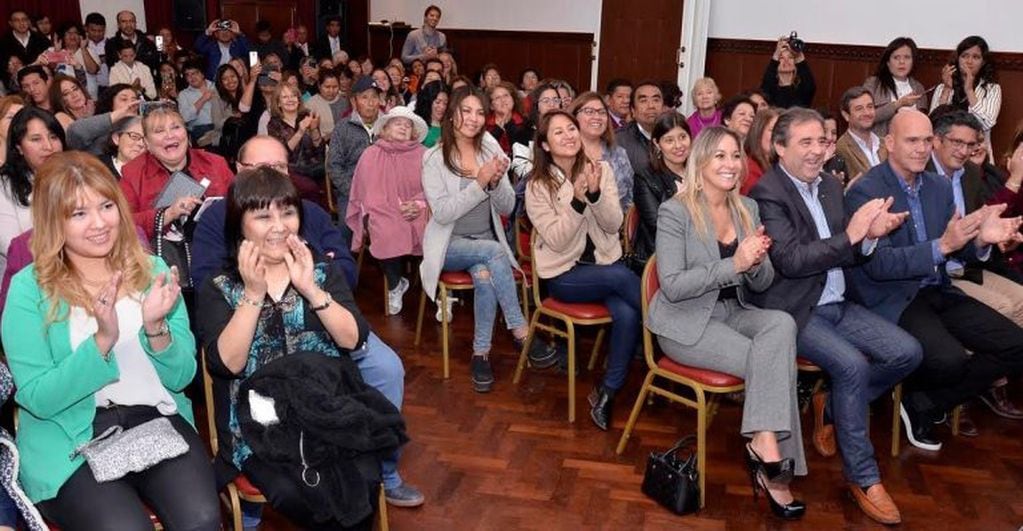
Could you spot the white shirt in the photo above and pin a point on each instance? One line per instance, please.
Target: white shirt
(871, 150)
(99, 50)
(902, 88)
(225, 53)
(335, 44)
(304, 46)
(138, 384)
(122, 73)
(23, 41)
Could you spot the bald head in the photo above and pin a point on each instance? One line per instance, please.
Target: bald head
(909, 142)
(263, 150)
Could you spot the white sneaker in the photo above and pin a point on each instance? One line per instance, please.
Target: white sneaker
(440, 318)
(394, 297)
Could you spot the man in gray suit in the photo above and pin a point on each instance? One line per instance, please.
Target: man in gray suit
(814, 239)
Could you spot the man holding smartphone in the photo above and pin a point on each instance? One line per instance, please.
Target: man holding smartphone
(222, 42)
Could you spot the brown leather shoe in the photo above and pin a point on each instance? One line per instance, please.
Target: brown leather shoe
(876, 503)
(823, 434)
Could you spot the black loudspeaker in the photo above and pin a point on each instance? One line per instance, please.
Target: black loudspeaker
(326, 9)
(189, 15)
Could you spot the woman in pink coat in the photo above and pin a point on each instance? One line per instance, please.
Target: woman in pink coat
(387, 198)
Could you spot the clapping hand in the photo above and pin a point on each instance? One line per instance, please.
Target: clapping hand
(591, 173)
(252, 271)
(995, 229)
(300, 267)
(161, 298)
(752, 250)
(886, 221)
(103, 308)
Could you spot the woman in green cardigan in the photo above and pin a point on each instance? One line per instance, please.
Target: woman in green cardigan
(96, 335)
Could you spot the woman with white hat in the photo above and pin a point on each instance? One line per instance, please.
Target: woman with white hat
(387, 189)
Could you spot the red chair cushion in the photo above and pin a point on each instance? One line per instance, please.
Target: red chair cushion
(456, 278)
(246, 487)
(703, 376)
(577, 310)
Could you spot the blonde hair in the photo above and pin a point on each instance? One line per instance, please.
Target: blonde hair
(706, 82)
(702, 152)
(58, 187)
(275, 100)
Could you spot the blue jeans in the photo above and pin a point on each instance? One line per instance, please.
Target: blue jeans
(865, 355)
(618, 287)
(493, 282)
(381, 369)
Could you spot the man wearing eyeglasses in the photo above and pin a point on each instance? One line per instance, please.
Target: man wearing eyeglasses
(379, 365)
(993, 283)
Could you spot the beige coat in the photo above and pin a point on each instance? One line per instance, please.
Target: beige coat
(561, 231)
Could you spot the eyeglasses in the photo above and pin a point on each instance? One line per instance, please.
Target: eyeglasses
(133, 135)
(591, 112)
(960, 145)
(550, 101)
(282, 167)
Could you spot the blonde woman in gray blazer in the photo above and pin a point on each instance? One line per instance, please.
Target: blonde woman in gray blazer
(465, 179)
(711, 252)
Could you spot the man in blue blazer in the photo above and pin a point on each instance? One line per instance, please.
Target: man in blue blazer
(908, 280)
(814, 240)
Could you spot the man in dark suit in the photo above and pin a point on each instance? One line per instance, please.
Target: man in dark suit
(957, 133)
(332, 42)
(814, 239)
(908, 280)
(127, 30)
(647, 104)
(21, 41)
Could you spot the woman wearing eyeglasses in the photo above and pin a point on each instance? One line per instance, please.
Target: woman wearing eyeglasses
(126, 143)
(599, 142)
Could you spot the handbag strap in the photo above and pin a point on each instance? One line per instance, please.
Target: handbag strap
(158, 245)
(109, 432)
(688, 440)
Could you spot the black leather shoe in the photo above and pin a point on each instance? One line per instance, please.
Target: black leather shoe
(781, 471)
(601, 399)
(918, 429)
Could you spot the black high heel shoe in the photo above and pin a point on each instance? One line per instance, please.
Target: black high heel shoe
(761, 472)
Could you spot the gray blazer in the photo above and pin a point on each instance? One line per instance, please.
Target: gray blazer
(691, 272)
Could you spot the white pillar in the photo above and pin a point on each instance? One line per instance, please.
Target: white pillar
(693, 54)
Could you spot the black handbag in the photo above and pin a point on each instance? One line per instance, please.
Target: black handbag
(674, 482)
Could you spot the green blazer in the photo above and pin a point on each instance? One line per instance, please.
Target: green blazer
(56, 385)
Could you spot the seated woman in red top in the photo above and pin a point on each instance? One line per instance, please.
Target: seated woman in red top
(144, 178)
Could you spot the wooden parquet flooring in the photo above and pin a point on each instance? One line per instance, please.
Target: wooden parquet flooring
(510, 460)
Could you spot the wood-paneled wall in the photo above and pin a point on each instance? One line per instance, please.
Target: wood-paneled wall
(737, 65)
(566, 56)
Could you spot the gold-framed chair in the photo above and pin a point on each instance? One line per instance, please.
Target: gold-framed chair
(571, 315)
(702, 382)
(240, 488)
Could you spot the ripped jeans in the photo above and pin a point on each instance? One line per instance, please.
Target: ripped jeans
(493, 282)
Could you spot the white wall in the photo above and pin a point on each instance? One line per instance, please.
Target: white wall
(580, 16)
(110, 8)
(931, 23)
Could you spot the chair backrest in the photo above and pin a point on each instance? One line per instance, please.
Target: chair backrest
(522, 239)
(648, 286)
(631, 225)
(207, 387)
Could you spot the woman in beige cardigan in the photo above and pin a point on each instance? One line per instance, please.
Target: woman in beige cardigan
(573, 203)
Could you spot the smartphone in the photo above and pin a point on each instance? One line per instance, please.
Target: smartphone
(159, 43)
(253, 59)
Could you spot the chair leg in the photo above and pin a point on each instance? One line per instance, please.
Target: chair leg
(525, 300)
(444, 328)
(571, 370)
(358, 260)
(896, 438)
(419, 321)
(382, 512)
(701, 443)
(525, 347)
(236, 507)
(596, 350)
(387, 291)
(713, 401)
(956, 412)
(816, 388)
(634, 416)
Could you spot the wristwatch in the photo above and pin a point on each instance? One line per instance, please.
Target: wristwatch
(164, 330)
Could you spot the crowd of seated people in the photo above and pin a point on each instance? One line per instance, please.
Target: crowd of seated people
(158, 204)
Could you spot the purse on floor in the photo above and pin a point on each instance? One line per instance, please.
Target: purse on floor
(117, 451)
(673, 481)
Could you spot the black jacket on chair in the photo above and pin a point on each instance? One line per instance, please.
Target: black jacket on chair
(333, 431)
(649, 190)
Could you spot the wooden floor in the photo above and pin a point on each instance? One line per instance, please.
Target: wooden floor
(510, 460)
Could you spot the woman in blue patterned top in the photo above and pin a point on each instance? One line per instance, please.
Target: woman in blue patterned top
(273, 299)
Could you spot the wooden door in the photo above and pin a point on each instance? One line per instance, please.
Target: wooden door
(639, 40)
(281, 14)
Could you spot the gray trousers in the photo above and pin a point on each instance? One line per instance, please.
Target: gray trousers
(758, 346)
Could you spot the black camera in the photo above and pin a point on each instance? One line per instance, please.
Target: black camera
(224, 25)
(796, 44)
